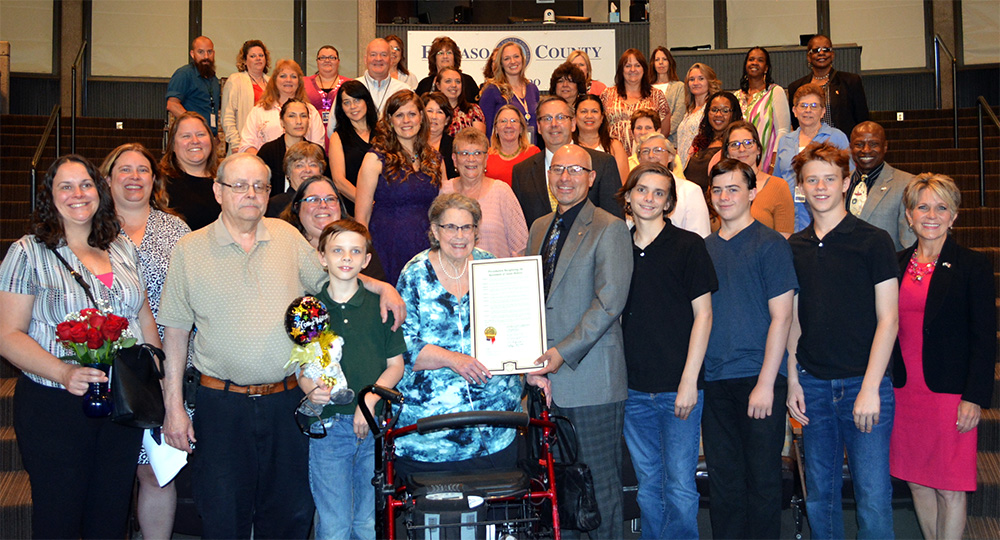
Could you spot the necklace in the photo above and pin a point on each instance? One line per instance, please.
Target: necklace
(445, 270)
(522, 101)
(918, 270)
(823, 78)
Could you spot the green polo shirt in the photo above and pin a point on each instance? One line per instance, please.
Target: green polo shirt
(368, 342)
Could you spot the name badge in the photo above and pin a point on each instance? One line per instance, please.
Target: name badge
(800, 196)
(211, 119)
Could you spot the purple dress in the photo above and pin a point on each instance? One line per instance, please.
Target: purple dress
(399, 217)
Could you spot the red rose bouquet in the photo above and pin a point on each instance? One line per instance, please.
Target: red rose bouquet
(93, 336)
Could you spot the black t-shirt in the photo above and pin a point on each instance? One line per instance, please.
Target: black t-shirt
(355, 149)
(469, 87)
(667, 275)
(837, 277)
(193, 198)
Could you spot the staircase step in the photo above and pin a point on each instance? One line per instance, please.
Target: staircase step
(904, 131)
(976, 237)
(986, 499)
(10, 456)
(941, 124)
(15, 505)
(81, 121)
(920, 114)
(991, 142)
(982, 528)
(937, 155)
(7, 401)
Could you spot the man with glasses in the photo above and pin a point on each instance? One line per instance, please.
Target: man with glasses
(587, 267)
(233, 280)
(846, 104)
(556, 123)
(376, 78)
(691, 211)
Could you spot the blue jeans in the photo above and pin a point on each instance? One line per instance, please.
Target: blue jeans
(664, 452)
(341, 468)
(830, 408)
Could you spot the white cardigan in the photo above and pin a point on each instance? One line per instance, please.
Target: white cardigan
(237, 101)
(265, 125)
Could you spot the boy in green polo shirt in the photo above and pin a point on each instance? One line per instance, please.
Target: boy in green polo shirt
(347, 509)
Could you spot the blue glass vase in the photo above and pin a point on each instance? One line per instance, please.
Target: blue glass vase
(97, 401)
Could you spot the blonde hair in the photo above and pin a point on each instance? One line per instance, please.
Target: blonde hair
(271, 95)
(942, 186)
(499, 78)
(714, 84)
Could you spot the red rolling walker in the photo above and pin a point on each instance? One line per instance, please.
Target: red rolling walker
(502, 504)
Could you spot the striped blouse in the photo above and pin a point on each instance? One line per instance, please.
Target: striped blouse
(31, 268)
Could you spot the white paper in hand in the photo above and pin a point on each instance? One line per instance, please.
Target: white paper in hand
(166, 460)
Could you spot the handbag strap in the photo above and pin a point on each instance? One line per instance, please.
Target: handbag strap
(76, 275)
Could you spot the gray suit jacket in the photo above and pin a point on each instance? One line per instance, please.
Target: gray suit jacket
(884, 207)
(586, 298)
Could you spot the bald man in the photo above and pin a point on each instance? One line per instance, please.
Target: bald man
(194, 86)
(376, 78)
(876, 191)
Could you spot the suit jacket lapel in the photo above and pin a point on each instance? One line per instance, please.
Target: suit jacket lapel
(581, 225)
(944, 274)
(879, 190)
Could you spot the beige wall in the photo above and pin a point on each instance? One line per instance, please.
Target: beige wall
(27, 25)
(121, 44)
(333, 22)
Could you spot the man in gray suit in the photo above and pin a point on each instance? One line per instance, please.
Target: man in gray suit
(876, 191)
(556, 123)
(587, 261)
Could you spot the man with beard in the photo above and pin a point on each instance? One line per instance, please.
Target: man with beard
(195, 87)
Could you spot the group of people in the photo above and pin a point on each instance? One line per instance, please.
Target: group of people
(652, 205)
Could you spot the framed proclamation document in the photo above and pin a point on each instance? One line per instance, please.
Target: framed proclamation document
(507, 301)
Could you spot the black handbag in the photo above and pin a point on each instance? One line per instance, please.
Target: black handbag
(575, 493)
(135, 387)
(574, 483)
(134, 379)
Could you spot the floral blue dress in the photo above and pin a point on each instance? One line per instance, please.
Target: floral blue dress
(436, 317)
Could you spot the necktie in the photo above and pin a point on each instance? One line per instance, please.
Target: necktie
(859, 196)
(549, 253)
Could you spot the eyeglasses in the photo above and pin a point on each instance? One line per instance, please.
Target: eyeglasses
(243, 187)
(467, 153)
(819, 50)
(326, 58)
(304, 413)
(736, 145)
(573, 170)
(451, 228)
(807, 106)
(329, 200)
(548, 118)
(720, 110)
(395, 49)
(656, 151)
(508, 121)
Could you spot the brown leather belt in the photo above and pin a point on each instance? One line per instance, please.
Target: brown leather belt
(253, 390)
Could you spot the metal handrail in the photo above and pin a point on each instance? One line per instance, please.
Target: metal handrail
(72, 119)
(54, 119)
(981, 105)
(938, 44)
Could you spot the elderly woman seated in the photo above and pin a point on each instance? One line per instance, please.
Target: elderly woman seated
(441, 377)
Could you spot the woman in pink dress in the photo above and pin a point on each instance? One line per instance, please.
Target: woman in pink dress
(943, 363)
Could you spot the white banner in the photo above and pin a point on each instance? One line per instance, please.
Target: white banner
(545, 51)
